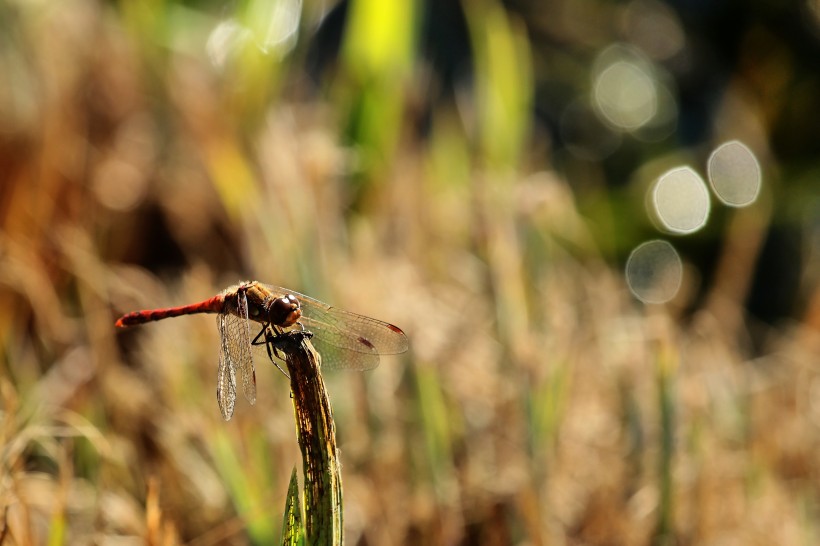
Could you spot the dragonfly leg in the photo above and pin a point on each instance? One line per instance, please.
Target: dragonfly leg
(270, 345)
(276, 339)
(282, 340)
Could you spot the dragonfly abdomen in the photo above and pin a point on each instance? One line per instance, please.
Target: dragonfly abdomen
(213, 305)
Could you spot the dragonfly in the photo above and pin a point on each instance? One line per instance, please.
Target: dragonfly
(344, 340)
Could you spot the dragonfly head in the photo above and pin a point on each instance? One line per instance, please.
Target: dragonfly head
(284, 311)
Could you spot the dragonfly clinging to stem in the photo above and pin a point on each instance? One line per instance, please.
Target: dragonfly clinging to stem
(345, 340)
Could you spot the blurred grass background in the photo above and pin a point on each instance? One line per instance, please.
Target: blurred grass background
(442, 166)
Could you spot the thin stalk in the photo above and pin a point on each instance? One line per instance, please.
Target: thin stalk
(666, 368)
(316, 434)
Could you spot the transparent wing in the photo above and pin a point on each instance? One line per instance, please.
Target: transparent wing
(241, 346)
(344, 339)
(226, 375)
(334, 357)
(235, 352)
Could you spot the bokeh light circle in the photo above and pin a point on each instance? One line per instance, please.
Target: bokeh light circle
(654, 272)
(681, 201)
(734, 173)
(625, 94)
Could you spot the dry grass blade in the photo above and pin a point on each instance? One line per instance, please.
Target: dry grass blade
(317, 440)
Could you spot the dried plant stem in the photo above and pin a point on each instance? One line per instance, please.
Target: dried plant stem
(316, 434)
(666, 369)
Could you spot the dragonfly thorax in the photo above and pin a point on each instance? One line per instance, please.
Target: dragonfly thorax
(268, 307)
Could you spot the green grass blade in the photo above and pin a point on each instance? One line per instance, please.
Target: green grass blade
(293, 533)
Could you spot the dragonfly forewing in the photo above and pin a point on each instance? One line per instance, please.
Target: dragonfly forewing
(347, 340)
(226, 375)
(354, 332)
(244, 354)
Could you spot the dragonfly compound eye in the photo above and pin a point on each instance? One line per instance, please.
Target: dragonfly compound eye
(284, 311)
